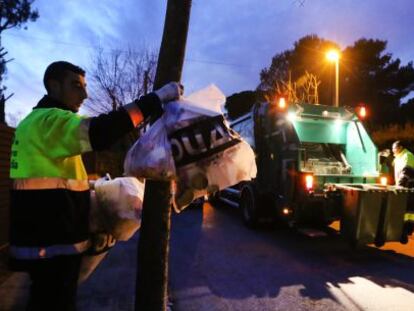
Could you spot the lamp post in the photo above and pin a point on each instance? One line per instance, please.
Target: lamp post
(333, 56)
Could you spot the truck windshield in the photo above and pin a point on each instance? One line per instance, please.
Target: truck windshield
(321, 158)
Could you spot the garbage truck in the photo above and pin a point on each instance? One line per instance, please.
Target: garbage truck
(317, 164)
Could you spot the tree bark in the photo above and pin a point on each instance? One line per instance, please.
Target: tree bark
(153, 247)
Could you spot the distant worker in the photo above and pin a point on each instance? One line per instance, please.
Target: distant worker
(403, 165)
(50, 198)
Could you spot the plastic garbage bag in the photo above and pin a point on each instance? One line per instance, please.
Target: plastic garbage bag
(150, 156)
(193, 144)
(208, 155)
(100, 242)
(119, 209)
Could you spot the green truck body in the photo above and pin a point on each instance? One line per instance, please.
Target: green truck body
(309, 159)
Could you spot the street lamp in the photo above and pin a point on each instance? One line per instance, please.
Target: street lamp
(333, 56)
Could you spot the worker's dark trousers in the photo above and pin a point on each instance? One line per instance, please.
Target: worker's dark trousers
(54, 284)
(409, 226)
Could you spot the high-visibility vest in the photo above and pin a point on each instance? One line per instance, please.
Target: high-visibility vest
(403, 159)
(50, 196)
(48, 143)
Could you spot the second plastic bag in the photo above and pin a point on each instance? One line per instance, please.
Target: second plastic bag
(150, 156)
(208, 155)
(119, 204)
(193, 145)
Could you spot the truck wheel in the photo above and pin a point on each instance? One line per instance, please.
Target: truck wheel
(248, 206)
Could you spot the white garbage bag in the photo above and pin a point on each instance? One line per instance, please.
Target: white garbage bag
(193, 145)
(150, 156)
(208, 155)
(115, 214)
(100, 241)
(119, 204)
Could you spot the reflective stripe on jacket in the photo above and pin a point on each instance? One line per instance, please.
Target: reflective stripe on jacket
(50, 196)
(50, 199)
(28, 253)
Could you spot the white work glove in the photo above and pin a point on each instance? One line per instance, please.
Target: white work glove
(169, 92)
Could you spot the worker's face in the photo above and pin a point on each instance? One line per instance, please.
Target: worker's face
(71, 92)
(396, 149)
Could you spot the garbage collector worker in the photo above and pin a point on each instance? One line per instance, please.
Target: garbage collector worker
(403, 165)
(404, 176)
(50, 195)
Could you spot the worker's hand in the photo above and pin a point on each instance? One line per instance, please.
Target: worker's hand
(169, 92)
(151, 105)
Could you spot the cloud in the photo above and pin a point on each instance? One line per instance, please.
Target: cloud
(229, 42)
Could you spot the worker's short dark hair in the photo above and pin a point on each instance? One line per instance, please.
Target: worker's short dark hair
(57, 71)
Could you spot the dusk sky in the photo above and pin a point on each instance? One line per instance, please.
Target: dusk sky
(229, 42)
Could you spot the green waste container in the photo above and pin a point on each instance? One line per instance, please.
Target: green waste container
(391, 229)
(360, 214)
(372, 213)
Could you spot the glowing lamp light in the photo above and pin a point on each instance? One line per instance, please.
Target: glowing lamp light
(362, 112)
(332, 55)
(309, 182)
(285, 211)
(281, 103)
(383, 180)
(291, 116)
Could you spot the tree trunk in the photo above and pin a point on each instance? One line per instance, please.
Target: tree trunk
(153, 247)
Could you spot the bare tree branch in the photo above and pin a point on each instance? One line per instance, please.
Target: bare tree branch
(304, 89)
(119, 77)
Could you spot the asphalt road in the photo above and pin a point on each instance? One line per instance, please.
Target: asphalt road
(218, 264)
